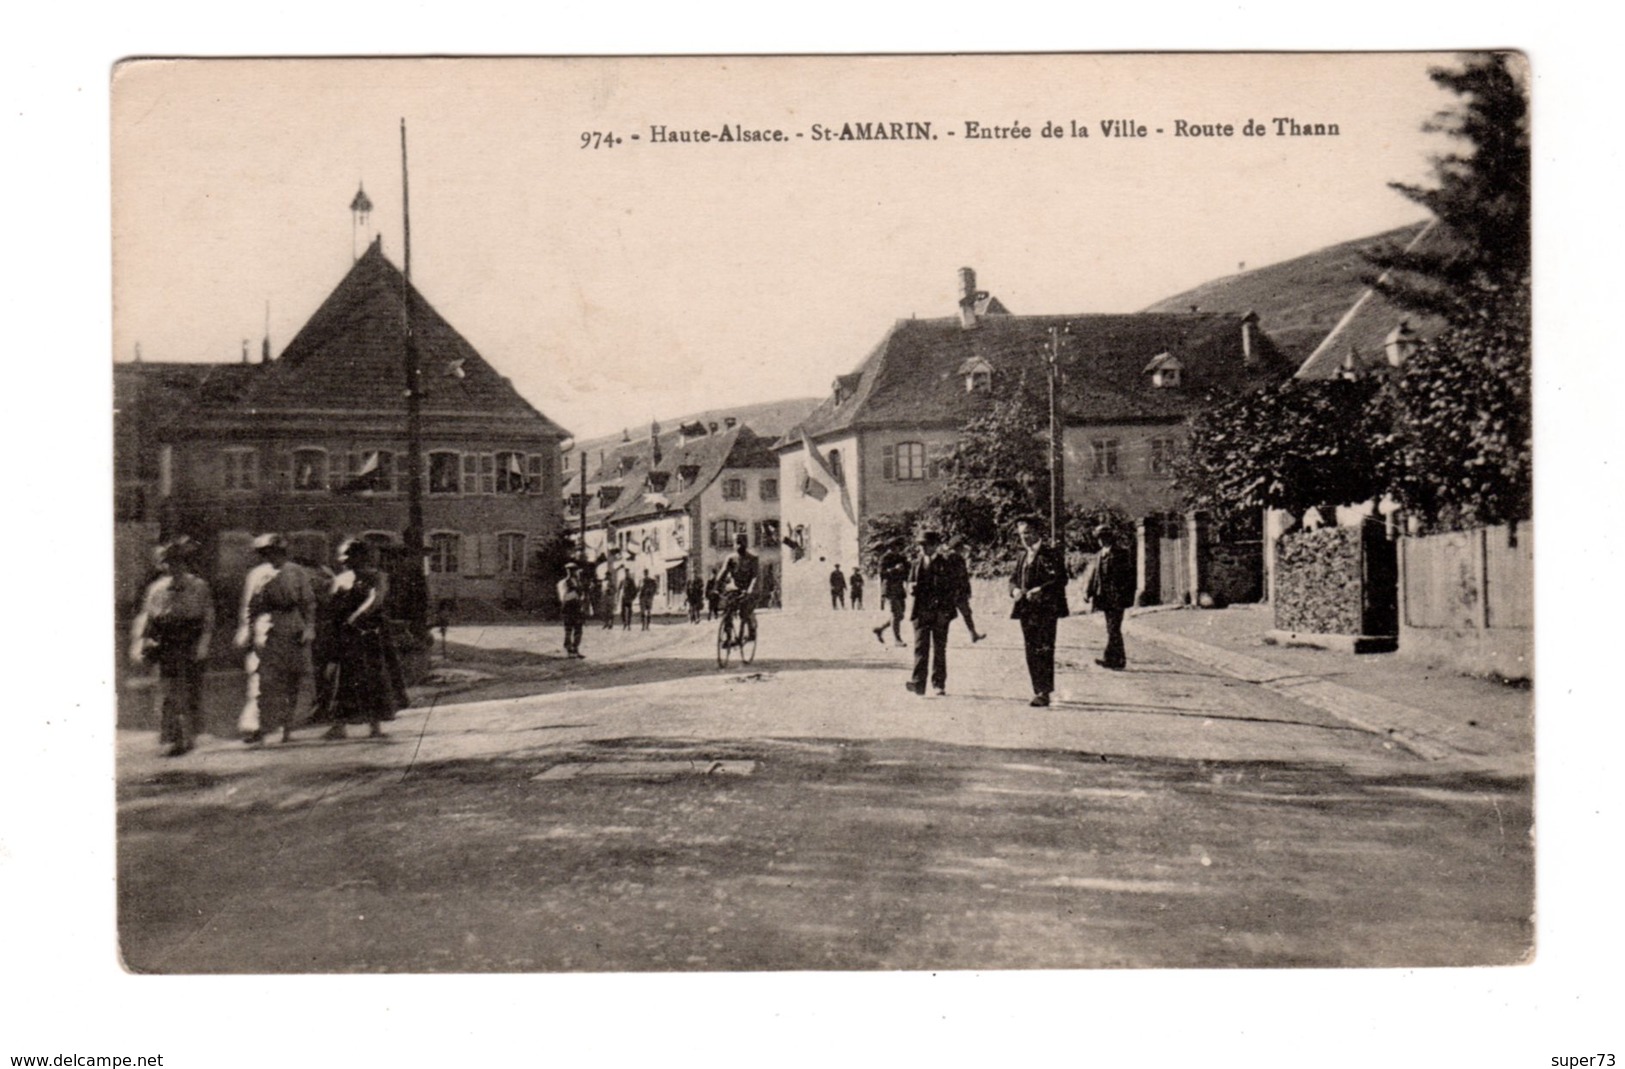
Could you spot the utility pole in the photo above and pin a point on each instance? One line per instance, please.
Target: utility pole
(1057, 449)
(582, 456)
(418, 603)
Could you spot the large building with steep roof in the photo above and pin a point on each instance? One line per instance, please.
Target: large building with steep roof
(313, 444)
(1130, 383)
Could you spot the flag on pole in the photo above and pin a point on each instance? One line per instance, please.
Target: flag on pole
(816, 488)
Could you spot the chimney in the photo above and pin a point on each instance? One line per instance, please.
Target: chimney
(1249, 340)
(968, 298)
(730, 422)
(245, 350)
(713, 426)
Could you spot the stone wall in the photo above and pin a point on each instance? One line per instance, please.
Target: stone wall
(1318, 581)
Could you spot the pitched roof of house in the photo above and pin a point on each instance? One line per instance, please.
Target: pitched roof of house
(702, 459)
(1357, 341)
(914, 376)
(349, 355)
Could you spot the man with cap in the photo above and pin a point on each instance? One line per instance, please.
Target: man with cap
(1038, 590)
(172, 631)
(935, 583)
(278, 623)
(573, 595)
(1111, 590)
(894, 594)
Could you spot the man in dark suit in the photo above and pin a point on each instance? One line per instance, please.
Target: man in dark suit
(1038, 589)
(1111, 590)
(894, 593)
(936, 592)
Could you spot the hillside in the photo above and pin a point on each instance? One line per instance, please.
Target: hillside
(1298, 301)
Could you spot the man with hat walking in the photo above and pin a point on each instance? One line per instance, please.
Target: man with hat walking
(1038, 589)
(935, 583)
(278, 623)
(1111, 590)
(172, 631)
(573, 608)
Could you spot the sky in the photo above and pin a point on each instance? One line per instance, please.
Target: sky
(617, 284)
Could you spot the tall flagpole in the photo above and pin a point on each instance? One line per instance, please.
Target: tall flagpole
(417, 607)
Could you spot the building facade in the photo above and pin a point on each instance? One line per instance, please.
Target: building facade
(888, 431)
(314, 444)
(674, 502)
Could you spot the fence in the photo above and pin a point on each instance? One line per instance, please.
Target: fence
(1467, 598)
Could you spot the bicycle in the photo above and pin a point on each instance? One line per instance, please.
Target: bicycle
(728, 640)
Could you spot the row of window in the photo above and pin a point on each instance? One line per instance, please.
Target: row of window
(764, 534)
(452, 553)
(917, 461)
(312, 469)
(734, 489)
(1106, 460)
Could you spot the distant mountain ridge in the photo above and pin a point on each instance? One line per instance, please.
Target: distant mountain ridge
(1298, 301)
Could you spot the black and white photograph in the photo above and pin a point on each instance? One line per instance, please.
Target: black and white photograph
(1012, 517)
(919, 519)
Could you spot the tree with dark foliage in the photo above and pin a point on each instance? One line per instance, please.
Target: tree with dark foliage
(1295, 445)
(1480, 198)
(1459, 451)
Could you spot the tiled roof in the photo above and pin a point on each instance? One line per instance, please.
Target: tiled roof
(914, 377)
(704, 458)
(350, 355)
(1357, 340)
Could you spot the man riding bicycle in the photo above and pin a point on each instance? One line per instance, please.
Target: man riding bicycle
(739, 581)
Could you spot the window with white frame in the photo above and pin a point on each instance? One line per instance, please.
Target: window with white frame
(733, 489)
(908, 462)
(767, 533)
(309, 469)
(769, 489)
(444, 468)
(723, 533)
(510, 473)
(444, 549)
(1104, 455)
(240, 470)
(1161, 461)
(511, 553)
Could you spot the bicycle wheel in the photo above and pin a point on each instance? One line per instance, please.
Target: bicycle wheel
(725, 641)
(747, 643)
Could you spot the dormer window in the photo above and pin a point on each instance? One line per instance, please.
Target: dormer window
(1165, 370)
(1400, 343)
(607, 496)
(627, 464)
(977, 375)
(657, 481)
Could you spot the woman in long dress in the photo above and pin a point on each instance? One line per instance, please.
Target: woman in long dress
(367, 684)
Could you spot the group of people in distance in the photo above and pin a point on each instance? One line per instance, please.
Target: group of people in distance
(738, 581)
(939, 582)
(294, 622)
(840, 587)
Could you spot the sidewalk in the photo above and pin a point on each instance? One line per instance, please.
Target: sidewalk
(1430, 709)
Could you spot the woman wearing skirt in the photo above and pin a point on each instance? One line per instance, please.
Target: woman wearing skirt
(365, 682)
